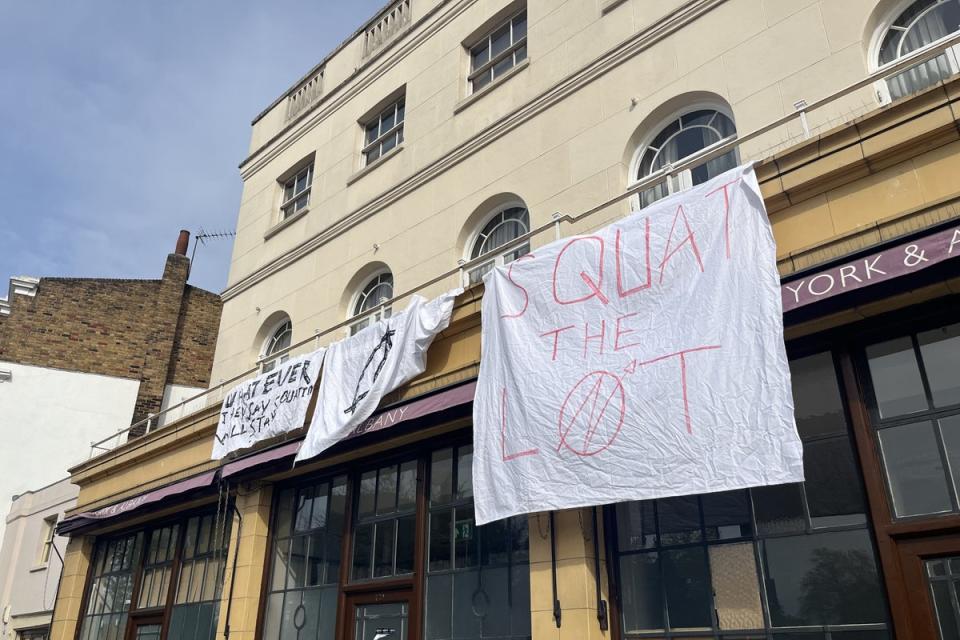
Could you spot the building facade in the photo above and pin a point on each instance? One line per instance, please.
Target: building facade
(81, 360)
(442, 133)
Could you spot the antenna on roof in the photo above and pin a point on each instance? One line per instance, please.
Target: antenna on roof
(202, 237)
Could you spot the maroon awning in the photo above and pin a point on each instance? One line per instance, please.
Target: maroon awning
(383, 419)
(151, 497)
(899, 260)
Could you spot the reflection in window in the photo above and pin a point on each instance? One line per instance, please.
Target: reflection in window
(478, 578)
(296, 193)
(302, 592)
(916, 397)
(943, 575)
(378, 290)
(111, 588)
(201, 578)
(507, 225)
(690, 564)
(681, 138)
(157, 565)
(383, 539)
(920, 24)
(384, 133)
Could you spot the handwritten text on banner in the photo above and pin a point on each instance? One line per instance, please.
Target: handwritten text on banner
(643, 361)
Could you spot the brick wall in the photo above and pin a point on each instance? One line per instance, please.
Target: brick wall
(159, 332)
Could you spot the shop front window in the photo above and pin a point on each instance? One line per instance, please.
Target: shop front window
(916, 416)
(943, 576)
(176, 567)
(383, 540)
(786, 561)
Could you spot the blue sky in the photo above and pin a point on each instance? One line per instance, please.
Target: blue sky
(123, 121)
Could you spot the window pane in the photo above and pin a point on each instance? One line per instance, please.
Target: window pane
(373, 132)
(736, 588)
(779, 508)
(406, 533)
(465, 537)
(940, 350)
(500, 41)
(834, 494)
(387, 120)
(826, 578)
(482, 80)
(440, 551)
(520, 27)
(315, 568)
(520, 54)
(318, 516)
(385, 539)
(465, 472)
(441, 476)
(389, 143)
(679, 520)
(408, 486)
(641, 593)
(362, 550)
(896, 378)
(636, 528)
(298, 563)
(912, 459)
(816, 396)
(387, 490)
(950, 429)
(368, 489)
(304, 505)
(281, 564)
(687, 587)
(726, 515)
(502, 67)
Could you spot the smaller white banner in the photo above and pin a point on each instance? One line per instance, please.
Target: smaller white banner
(363, 368)
(271, 404)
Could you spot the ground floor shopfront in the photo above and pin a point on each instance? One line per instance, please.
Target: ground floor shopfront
(376, 539)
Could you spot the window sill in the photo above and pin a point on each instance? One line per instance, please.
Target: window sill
(476, 95)
(376, 163)
(39, 567)
(607, 5)
(280, 226)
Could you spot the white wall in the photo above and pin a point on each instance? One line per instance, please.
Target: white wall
(28, 587)
(49, 417)
(174, 394)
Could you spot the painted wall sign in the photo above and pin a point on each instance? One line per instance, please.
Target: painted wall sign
(879, 267)
(361, 369)
(269, 405)
(645, 360)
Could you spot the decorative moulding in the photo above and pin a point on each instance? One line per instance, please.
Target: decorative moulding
(6, 376)
(21, 286)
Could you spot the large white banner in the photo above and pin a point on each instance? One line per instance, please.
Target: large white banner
(645, 360)
(361, 369)
(271, 404)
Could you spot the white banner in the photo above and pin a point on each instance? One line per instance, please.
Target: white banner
(643, 361)
(361, 369)
(271, 404)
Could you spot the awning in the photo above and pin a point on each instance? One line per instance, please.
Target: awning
(151, 497)
(851, 275)
(383, 419)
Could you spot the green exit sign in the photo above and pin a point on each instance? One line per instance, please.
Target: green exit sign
(464, 530)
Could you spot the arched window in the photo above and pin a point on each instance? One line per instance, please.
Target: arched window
(921, 23)
(507, 224)
(681, 137)
(377, 290)
(278, 341)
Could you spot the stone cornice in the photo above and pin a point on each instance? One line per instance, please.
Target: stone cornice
(613, 58)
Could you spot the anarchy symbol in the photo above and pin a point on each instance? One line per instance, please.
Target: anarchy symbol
(592, 414)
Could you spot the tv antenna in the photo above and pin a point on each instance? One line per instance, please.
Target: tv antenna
(203, 236)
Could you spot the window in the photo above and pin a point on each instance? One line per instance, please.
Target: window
(923, 22)
(499, 51)
(795, 557)
(383, 133)
(680, 138)
(506, 225)
(176, 568)
(296, 193)
(943, 575)
(38, 633)
(916, 415)
(276, 343)
(305, 574)
(477, 583)
(49, 530)
(378, 290)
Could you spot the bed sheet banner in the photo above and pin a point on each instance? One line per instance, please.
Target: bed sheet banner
(269, 405)
(363, 368)
(645, 360)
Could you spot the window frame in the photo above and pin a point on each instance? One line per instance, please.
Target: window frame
(892, 15)
(47, 540)
(496, 256)
(684, 180)
(288, 208)
(360, 298)
(491, 62)
(281, 328)
(397, 130)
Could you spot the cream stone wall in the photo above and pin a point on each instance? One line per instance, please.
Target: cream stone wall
(560, 133)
